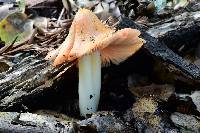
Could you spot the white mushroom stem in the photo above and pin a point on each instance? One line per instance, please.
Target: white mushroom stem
(89, 82)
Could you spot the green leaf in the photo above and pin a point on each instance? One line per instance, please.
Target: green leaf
(14, 26)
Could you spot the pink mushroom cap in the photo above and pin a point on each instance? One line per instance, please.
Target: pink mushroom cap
(88, 34)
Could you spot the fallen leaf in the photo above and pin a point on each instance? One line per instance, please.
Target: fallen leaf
(16, 26)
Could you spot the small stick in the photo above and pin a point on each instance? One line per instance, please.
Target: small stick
(60, 16)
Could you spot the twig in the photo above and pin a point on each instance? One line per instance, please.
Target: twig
(7, 47)
(60, 16)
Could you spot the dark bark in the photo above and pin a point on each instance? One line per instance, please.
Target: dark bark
(29, 75)
(156, 46)
(178, 31)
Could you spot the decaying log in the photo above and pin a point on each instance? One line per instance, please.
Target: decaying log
(178, 31)
(12, 122)
(156, 45)
(28, 76)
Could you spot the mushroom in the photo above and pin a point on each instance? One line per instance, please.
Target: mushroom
(92, 44)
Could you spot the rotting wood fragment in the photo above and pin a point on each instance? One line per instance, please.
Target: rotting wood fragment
(185, 71)
(181, 31)
(12, 122)
(29, 76)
